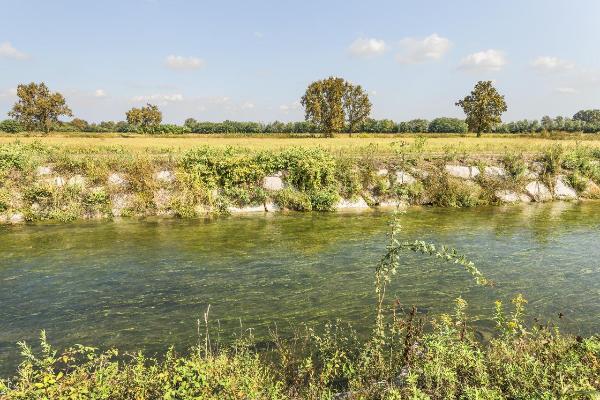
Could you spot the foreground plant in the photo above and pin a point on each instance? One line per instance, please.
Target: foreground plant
(405, 357)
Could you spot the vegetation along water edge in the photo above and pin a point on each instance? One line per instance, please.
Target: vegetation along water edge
(45, 182)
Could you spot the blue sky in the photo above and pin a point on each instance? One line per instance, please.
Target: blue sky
(252, 60)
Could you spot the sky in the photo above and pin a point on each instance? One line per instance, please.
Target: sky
(252, 60)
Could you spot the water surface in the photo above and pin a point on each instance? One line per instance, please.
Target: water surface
(144, 283)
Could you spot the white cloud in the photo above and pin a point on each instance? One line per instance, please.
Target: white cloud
(8, 92)
(8, 51)
(160, 98)
(488, 60)
(247, 105)
(417, 50)
(566, 90)
(365, 47)
(286, 108)
(181, 62)
(259, 35)
(552, 64)
(99, 93)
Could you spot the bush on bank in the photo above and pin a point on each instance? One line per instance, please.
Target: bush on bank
(45, 182)
(407, 356)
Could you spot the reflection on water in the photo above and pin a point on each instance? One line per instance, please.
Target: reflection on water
(142, 284)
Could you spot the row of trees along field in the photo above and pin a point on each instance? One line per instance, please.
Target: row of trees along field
(331, 106)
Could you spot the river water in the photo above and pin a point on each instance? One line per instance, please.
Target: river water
(142, 284)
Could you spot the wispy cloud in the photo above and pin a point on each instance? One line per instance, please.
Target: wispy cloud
(488, 60)
(99, 93)
(418, 50)
(8, 51)
(367, 47)
(160, 98)
(286, 108)
(566, 90)
(552, 64)
(184, 63)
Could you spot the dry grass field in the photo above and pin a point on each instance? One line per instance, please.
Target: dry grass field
(342, 143)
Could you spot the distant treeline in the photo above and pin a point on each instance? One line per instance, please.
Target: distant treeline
(437, 125)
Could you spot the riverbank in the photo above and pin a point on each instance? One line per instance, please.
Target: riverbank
(64, 183)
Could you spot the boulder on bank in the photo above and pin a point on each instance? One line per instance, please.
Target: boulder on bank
(592, 190)
(117, 180)
(357, 203)
(164, 176)
(404, 178)
(76, 180)
(509, 196)
(562, 190)
(17, 218)
(246, 209)
(461, 171)
(538, 191)
(43, 170)
(273, 182)
(495, 171)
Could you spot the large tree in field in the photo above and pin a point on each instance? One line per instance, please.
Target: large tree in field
(332, 102)
(322, 104)
(357, 106)
(483, 107)
(144, 119)
(38, 108)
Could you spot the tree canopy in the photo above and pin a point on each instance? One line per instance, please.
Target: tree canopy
(144, 119)
(333, 104)
(483, 107)
(589, 116)
(38, 108)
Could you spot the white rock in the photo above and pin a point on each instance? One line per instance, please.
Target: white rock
(524, 198)
(271, 207)
(494, 171)
(17, 218)
(562, 190)
(117, 179)
(357, 203)
(461, 171)
(538, 191)
(118, 203)
(382, 172)
(162, 198)
(508, 196)
(43, 170)
(531, 175)
(246, 209)
(58, 181)
(273, 182)
(76, 180)
(404, 178)
(592, 191)
(164, 176)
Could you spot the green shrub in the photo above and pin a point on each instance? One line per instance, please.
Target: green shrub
(308, 168)
(293, 200)
(323, 200)
(13, 156)
(11, 126)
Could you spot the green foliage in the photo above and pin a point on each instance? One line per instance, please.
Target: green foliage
(13, 156)
(483, 107)
(10, 126)
(447, 125)
(145, 119)
(515, 166)
(38, 108)
(329, 102)
(589, 116)
(308, 169)
(291, 199)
